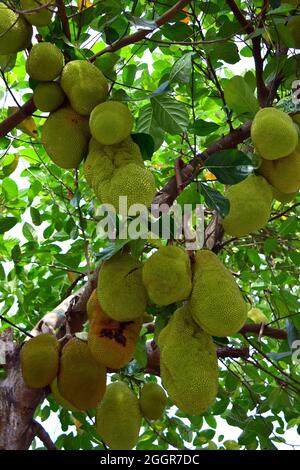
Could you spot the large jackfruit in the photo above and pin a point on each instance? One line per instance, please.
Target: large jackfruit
(84, 84)
(39, 360)
(273, 133)
(284, 173)
(65, 136)
(167, 275)
(250, 206)
(60, 400)
(45, 62)
(81, 379)
(48, 96)
(118, 418)
(111, 122)
(112, 343)
(120, 289)
(118, 170)
(42, 16)
(153, 400)
(15, 32)
(216, 303)
(188, 364)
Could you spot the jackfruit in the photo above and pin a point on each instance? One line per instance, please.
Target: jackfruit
(93, 308)
(15, 32)
(216, 303)
(118, 418)
(167, 275)
(85, 86)
(250, 206)
(112, 343)
(111, 122)
(188, 364)
(39, 360)
(60, 400)
(120, 289)
(284, 173)
(48, 96)
(65, 137)
(45, 62)
(153, 401)
(81, 380)
(273, 133)
(284, 198)
(294, 28)
(42, 16)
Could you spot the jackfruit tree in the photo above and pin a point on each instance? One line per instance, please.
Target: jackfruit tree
(149, 225)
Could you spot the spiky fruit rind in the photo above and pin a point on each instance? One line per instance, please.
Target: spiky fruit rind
(60, 400)
(273, 133)
(15, 32)
(45, 62)
(64, 137)
(39, 360)
(167, 275)
(188, 364)
(153, 400)
(84, 84)
(216, 303)
(111, 122)
(41, 17)
(250, 206)
(118, 417)
(120, 288)
(48, 96)
(81, 380)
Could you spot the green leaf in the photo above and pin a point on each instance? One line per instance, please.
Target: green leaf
(147, 124)
(7, 223)
(9, 188)
(35, 216)
(7, 62)
(229, 166)
(146, 144)
(202, 128)
(170, 114)
(182, 69)
(214, 200)
(29, 232)
(239, 96)
(140, 354)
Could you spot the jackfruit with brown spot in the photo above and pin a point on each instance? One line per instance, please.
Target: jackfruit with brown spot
(216, 303)
(81, 380)
(15, 32)
(111, 122)
(167, 275)
(250, 206)
(44, 62)
(118, 417)
(39, 360)
(40, 17)
(153, 401)
(188, 364)
(120, 289)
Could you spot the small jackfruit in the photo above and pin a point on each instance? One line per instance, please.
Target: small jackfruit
(250, 206)
(153, 401)
(273, 133)
(81, 380)
(120, 289)
(40, 17)
(284, 173)
(84, 84)
(60, 400)
(93, 308)
(167, 275)
(45, 62)
(111, 122)
(188, 363)
(118, 418)
(65, 137)
(48, 96)
(216, 303)
(111, 343)
(15, 32)
(39, 360)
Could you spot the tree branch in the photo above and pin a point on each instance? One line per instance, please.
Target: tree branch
(42, 434)
(61, 9)
(17, 117)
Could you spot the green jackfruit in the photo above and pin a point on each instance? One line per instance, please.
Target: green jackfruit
(65, 137)
(250, 206)
(118, 418)
(153, 401)
(85, 86)
(284, 173)
(273, 133)
(45, 62)
(167, 275)
(60, 400)
(120, 289)
(81, 380)
(15, 32)
(216, 303)
(111, 122)
(39, 360)
(42, 16)
(284, 198)
(188, 364)
(48, 96)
